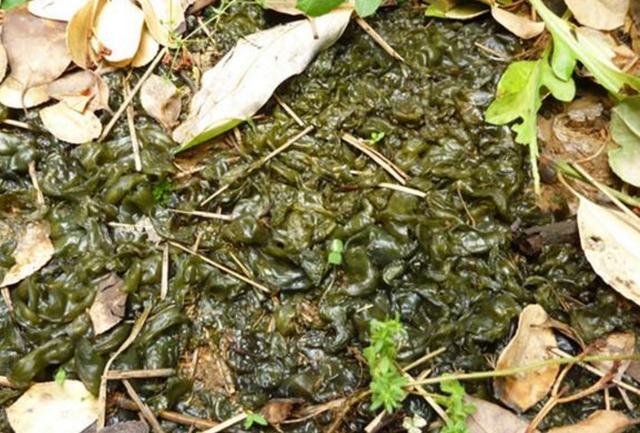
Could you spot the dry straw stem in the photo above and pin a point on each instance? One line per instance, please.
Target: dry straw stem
(379, 40)
(404, 189)
(144, 409)
(135, 144)
(379, 158)
(228, 423)
(139, 374)
(211, 215)
(175, 417)
(164, 284)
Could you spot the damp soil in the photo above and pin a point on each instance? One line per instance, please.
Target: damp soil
(445, 264)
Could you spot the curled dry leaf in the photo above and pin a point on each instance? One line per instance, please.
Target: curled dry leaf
(3, 62)
(81, 90)
(283, 6)
(14, 95)
(160, 99)
(464, 11)
(519, 25)
(489, 417)
(146, 51)
(52, 407)
(599, 14)
(610, 241)
(277, 410)
(244, 80)
(165, 19)
(33, 250)
(601, 421)
(60, 10)
(108, 306)
(617, 343)
(36, 48)
(79, 32)
(118, 30)
(532, 343)
(69, 125)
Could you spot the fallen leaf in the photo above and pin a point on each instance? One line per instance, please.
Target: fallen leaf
(277, 410)
(53, 408)
(532, 343)
(69, 125)
(625, 131)
(79, 32)
(108, 306)
(118, 30)
(489, 417)
(36, 48)
(14, 95)
(283, 6)
(610, 241)
(519, 25)
(617, 343)
(600, 42)
(244, 80)
(33, 250)
(600, 421)
(160, 99)
(165, 20)
(60, 10)
(81, 90)
(146, 51)
(599, 14)
(3, 62)
(464, 11)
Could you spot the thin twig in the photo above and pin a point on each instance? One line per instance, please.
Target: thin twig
(404, 189)
(379, 40)
(144, 409)
(241, 265)
(228, 423)
(211, 215)
(133, 93)
(285, 146)
(34, 182)
(18, 124)
(423, 359)
(164, 282)
(135, 144)
(175, 417)
(222, 267)
(219, 191)
(425, 395)
(289, 111)
(373, 425)
(387, 165)
(139, 374)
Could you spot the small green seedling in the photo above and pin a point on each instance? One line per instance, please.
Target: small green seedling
(253, 419)
(61, 376)
(335, 252)
(376, 137)
(457, 409)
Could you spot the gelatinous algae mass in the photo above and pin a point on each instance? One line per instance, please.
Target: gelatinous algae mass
(444, 263)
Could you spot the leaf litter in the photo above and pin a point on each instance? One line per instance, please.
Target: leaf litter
(109, 305)
(33, 250)
(161, 100)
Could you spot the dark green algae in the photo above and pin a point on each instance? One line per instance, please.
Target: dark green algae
(444, 264)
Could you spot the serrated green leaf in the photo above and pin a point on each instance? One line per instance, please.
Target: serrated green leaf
(315, 8)
(365, 8)
(625, 131)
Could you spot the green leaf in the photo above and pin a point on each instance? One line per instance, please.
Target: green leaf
(10, 4)
(457, 409)
(563, 62)
(365, 8)
(518, 96)
(590, 55)
(254, 418)
(315, 8)
(465, 11)
(61, 376)
(625, 130)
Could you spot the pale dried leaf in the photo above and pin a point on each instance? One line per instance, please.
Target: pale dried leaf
(491, 418)
(283, 6)
(81, 90)
(610, 241)
(519, 25)
(599, 42)
(108, 306)
(60, 10)
(53, 408)
(160, 99)
(599, 14)
(244, 80)
(69, 125)
(617, 343)
(14, 95)
(118, 30)
(79, 32)
(146, 51)
(36, 48)
(165, 20)
(600, 421)
(3, 62)
(533, 343)
(33, 250)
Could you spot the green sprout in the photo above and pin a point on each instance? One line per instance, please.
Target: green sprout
(254, 419)
(335, 252)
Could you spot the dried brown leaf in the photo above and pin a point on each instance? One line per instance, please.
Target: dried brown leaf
(599, 14)
(53, 408)
(160, 99)
(60, 10)
(36, 48)
(146, 51)
(519, 25)
(165, 19)
(33, 250)
(491, 418)
(3, 62)
(81, 90)
(69, 125)
(108, 306)
(118, 30)
(600, 421)
(277, 410)
(79, 32)
(14, 95)
(532, 343)
(617, 343)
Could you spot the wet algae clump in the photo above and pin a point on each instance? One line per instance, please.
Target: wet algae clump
(444, 263)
